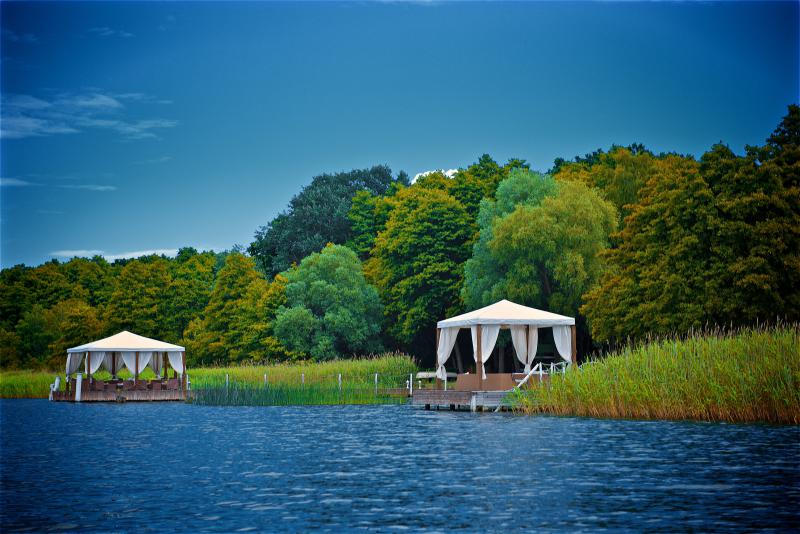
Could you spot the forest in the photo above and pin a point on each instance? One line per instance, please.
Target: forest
(630, 242)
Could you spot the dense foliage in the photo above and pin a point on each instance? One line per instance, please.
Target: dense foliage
(331, 311)
(711, 242)
(630, 242)
(317, 216)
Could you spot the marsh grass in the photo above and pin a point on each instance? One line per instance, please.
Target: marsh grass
(304, 383)
(297, 383)
(746, 375)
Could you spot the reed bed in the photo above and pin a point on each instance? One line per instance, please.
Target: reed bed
(305, 383)
(25, 384)
(315, 383)
(251, 394)
(746, 375)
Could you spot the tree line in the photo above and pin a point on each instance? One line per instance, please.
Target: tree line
(630, 242)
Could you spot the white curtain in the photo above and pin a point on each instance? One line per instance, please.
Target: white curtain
(129, 357)
(94, 360)
(74, 360)
(157, 362)
(489, 335)
(562, 335)
(176, 361)
(525, 354)
(111, 362)
(447, 338)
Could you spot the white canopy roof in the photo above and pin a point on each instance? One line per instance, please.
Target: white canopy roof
(506, 312)
(127, 341)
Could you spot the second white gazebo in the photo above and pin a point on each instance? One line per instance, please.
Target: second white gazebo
(485, 325)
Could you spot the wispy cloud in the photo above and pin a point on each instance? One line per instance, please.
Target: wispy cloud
(90, 187)
(151, 161)
(19, 182)
(16, 182)
(88, 253)
(105, 31)
(14, 37)
(449, 173)
(69, 113)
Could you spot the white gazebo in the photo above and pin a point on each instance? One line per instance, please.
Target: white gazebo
(135, 352)
(485, 325)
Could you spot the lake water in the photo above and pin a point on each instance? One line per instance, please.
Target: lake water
(167, 467)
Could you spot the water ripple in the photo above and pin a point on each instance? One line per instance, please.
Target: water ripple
(175, 467)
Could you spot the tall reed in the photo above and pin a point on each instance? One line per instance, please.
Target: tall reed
(751, 374)
(392, 369)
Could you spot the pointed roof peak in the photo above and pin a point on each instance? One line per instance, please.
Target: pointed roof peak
(505, 312)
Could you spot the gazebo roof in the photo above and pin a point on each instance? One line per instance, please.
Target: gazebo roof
(127, 341)
(506, 312)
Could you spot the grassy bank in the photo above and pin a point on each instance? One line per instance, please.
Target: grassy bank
(304, 383)
(358, 379)
(749, 375)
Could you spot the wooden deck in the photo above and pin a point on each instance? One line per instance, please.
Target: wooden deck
(124, 391)
(435, 399)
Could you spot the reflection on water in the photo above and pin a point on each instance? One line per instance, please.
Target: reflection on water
(166, 467)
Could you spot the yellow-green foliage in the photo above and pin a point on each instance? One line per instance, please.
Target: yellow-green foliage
(392, 370)
(749, 375)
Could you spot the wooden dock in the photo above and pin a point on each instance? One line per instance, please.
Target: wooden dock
(123, 391)
(436, 399)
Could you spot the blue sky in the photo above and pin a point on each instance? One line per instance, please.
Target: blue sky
(151, 126)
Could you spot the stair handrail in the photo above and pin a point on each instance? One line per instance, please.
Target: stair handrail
(534, 369)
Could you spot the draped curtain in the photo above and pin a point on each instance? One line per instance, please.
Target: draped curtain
(525, 354)
(562, 335)
(129, 357)
(489, 335)
(74, 360)
(111, 362)
(157, 363)
(94, 360)
(176, 361)
(447, 338)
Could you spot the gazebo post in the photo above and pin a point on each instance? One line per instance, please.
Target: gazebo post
(527, 337)
(136, 368)
(438, 380)
(113, 365)
(574, 344)
(183, 378)
(479, 361)
(88, 365)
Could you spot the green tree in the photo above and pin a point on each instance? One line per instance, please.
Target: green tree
(550, 253)
(91, 279)
(714, 242)
(417, 264)
(72, 322)
(482, 272)
(138, 302)
(35, 334)
(14, 295)
(331, 310)
(368, 216)
(236, 325)
(316, 216)
(9, 350)
(619, 174)
(188, 293)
